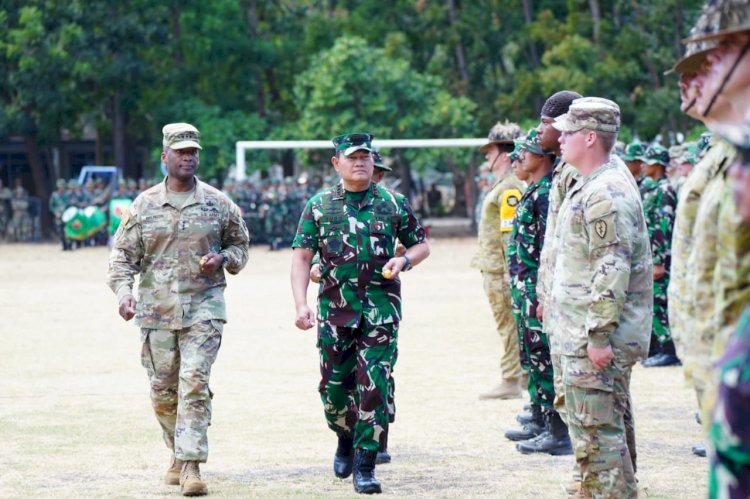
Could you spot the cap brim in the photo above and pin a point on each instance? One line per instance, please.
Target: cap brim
(185, 144)
(383, 167)
(563, 125)
(351, 150)
(690, 64)
(486, 147)
(718, 35)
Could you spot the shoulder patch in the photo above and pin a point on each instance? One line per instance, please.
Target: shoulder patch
(508, 204)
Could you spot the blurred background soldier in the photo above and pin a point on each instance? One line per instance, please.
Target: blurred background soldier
(57, 204)
(21, 226)
(495, 225)
(5, 211)
(634, 157)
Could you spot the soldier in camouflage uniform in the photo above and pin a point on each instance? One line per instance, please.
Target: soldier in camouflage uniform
(21, 226)
(600, 300)
(634, 157)
(527, 240)
(659, 204)
(495, 225)
(5, 196)
(180, 235)
(57, 205)
(354, 226)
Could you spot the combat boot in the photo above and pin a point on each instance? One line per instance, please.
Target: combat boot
(508, 389)
(525, 417)
(173, 473)
(190, 480)
(530, 429)
(383, 457)
(364, 472)
(555, 441)
(344, 457)
(699, 450)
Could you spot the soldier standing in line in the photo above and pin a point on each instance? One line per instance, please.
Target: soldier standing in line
(180, 235)
(527, 240)
(634, 157)
(600, 301)
(57, 204)
(659, 204)
(495, 225)
(354, 226)
(21, 225)
(5, 196)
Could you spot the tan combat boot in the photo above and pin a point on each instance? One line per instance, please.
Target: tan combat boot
(190, 480)
(508, 389)
(173, 473)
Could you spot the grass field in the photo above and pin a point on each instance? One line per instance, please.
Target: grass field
(76, 420)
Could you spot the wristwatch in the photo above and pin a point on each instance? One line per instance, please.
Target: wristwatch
(408, 264)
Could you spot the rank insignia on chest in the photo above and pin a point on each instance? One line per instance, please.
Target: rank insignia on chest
(601, 228)
(383, 208)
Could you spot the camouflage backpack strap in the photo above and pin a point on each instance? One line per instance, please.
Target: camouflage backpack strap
(508, 204)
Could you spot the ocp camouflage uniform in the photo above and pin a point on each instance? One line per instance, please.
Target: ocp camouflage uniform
(678, 291)
(527, 240)
(358, 309)
(180, 310)
(601, 295)
(494, 237)
(659, 205)
(21, 224)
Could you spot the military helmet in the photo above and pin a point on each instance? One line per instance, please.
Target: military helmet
(657, 154)
(502, 133)
(635, 151)
(721, 18)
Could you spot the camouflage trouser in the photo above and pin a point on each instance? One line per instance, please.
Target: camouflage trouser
(498, 295)
(534, 348)
(391, 400)
(597, 402)
(516, 299)
(660, 323)
(355, 368)
(179, 366)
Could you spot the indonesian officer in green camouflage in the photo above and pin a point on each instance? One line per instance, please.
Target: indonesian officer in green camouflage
(180, 236)
(659, 205)
(600, 301)
(354, 226)
(495, 224)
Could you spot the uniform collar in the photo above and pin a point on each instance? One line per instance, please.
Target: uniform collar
(340, 193)
(583, 180)
(198, 197)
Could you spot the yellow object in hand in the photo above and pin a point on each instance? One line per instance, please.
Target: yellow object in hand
(203, 261)
(387, 274)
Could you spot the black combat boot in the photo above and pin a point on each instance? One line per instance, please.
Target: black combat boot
(344, 457)
(554, 441)
(364, 472)
(527, 416)
(530, 429)
(667, 357)
(383, 456)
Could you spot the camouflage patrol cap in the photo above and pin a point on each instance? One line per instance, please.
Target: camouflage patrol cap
(502, 133)
(531, 144)
(379, 162)
(515, 155)
(593, 113)
(60, 182)
(72, 183)
(351, 142)
(721, 18)
(657, 154)
(635, 151)
(180, 136)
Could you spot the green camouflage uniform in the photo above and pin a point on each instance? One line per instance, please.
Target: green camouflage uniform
(494, 237)
(57, 203)
(358, 309)
(180, 310)
(659, 204)
(527, 240)
(21, 224)
(5, 196)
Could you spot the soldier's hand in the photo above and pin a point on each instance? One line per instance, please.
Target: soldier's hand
(127, 307)
(305, 318)
(600, 357)
(315, 273)
(393, 266)
(659, 271)
(540, 312)
(211, 262)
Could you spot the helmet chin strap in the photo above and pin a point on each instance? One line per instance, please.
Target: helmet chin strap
(727, 77)
(691, 105)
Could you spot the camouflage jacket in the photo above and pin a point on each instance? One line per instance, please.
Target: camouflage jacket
(165, 244)
(659, 205)
(57, 204)
(354, 243)
(730, 427)
(527, 238)
(602, 292)
(493, 235)
(564, 177)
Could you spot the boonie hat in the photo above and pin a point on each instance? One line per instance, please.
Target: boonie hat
(502, 133)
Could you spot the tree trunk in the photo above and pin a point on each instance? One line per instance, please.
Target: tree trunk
(596, 15)
(460, 58)
(528, 14)
(251, 20)
(406, 184)
(176, 30)
(678, 29)
(118, 133)
(40, 180)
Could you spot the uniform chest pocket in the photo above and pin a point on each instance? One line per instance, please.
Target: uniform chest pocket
(383, 237)
(332, 238)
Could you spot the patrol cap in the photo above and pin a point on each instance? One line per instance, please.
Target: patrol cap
(657, 154)
(518, 146)
(379, 162)
(721, 18)
(352, 142)
(635, 151)
(72, 183)
(60, 182)
(592, 113)
(502, 133)
(531, 144)
(181, 136)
